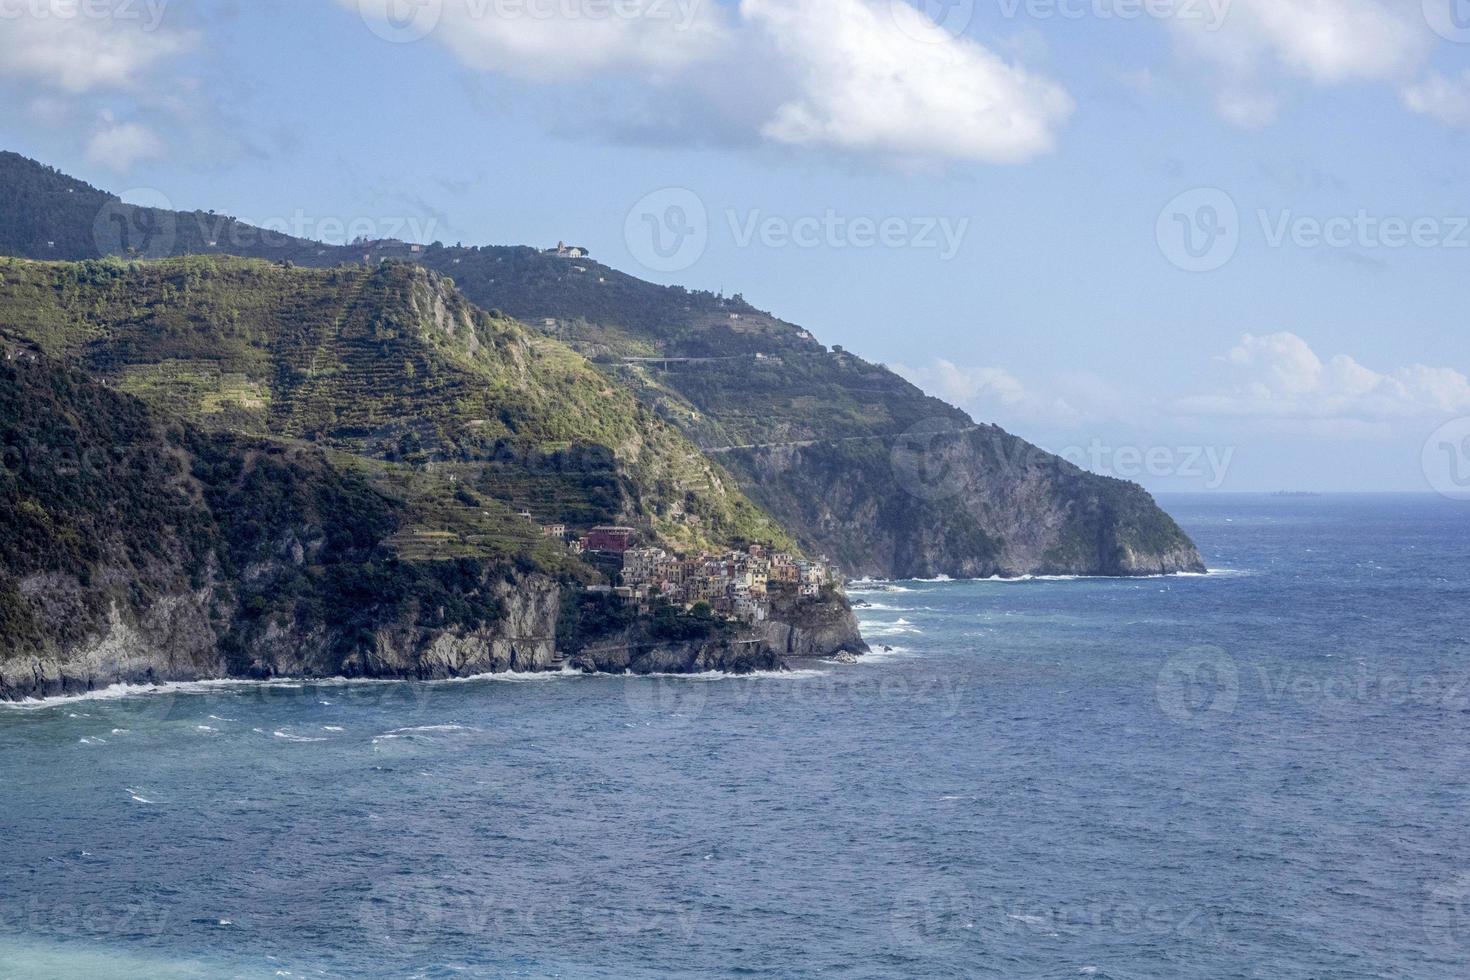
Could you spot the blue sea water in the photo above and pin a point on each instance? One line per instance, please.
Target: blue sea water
(1259, 773)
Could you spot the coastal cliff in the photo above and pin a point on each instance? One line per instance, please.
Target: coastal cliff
(141, 550)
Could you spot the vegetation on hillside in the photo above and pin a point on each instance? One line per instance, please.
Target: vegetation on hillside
(390, 364)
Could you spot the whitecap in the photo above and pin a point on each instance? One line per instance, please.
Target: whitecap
(513, 676)
(295, 738)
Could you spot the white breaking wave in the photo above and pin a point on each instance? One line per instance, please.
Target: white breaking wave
(513, 676)
(290, 737)
(717, 675)
(420, 732)
(892, 653)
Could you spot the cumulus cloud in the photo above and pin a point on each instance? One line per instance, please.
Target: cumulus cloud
(863, 82)
(80, 62)
(1280, 377)
(562, 40)
(860, 76)
(120, 145)
(1261, 43)
(78, 55)
(989, 393)
(1444, 98)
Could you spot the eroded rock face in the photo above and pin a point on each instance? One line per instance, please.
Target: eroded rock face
(179, 638)
(967, 502)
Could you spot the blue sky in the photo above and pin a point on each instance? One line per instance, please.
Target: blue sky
(991, 196)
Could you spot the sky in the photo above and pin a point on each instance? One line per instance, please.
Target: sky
(1202, 244)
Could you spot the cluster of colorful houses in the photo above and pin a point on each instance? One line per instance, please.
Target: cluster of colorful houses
(735, 585)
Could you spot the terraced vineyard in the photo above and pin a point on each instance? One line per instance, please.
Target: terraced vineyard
(391, 365)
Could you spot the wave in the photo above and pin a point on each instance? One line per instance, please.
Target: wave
(900, 628)
(420, 733)
(291, 737)
(512, 677)
(865, 586)
(717, 675)
(118, 692)
(892, 653)
(1212, 573)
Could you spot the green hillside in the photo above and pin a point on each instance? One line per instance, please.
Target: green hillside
(390, 368)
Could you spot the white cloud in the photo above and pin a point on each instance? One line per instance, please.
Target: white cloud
(120, 145)
(78, 55)
(852, 75)
(76, 62)
(1326, 41)
(1444, 98)
(1247, 109)
(1280, 377)
(864, 83)
(1260, 44)
(991, 393)
(563, 40)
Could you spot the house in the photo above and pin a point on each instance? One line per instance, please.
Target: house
(554, 530)
(612, 540)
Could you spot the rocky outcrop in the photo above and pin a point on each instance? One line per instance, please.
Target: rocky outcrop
(962, 501)
(822, 628)
(180, 637)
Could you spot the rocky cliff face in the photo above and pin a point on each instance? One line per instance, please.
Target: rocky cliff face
(140, 550)
(180, 637)
(184, 636)
(962, 501)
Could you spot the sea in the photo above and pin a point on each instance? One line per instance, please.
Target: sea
(1263, 772)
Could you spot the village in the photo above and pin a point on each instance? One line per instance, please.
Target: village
(736, 585)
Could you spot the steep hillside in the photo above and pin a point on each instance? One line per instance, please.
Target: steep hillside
(853, 460)
(387, 363)
(141, 549)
